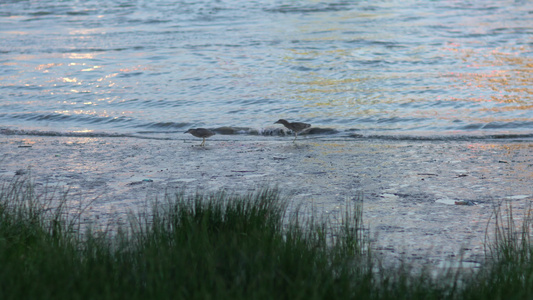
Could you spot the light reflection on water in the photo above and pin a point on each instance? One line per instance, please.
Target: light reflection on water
(398, 66)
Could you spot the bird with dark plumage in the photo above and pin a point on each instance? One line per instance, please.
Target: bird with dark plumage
(201, 133)
(294, 126)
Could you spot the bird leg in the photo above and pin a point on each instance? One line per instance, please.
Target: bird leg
(203, 143)
(295, 136)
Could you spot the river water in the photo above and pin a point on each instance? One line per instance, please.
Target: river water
(454, 69)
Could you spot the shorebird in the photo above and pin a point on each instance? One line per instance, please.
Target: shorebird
(201, 133)
(294, 126)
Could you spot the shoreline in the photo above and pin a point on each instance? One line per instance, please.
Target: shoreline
(412, 191)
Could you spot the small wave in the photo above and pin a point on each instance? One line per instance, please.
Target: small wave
(6, 131)
(270, 131)
(63, 118)
(82, 134)
(330, 7)
(162, 127)
(319, 132)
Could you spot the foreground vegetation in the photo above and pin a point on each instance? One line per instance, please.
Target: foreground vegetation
(221, 246)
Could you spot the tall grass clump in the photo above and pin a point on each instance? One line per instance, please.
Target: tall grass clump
(189, 247)
(233, 247)
(36, 241)
(508, 273)
(227, 246)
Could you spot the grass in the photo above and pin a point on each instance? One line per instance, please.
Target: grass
(226, 247)
(509, 275)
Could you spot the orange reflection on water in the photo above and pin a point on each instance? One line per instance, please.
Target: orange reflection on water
(510, 74)
(91, 69)
(107, 76)
(45, 67)
(524, 107)
(84, 131)
(86, 32)
(66, 79)
(80, 55)
(136, 68)
(103, 114)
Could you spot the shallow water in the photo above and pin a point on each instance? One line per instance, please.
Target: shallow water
(386, 69)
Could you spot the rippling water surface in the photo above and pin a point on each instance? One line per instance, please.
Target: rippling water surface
(420, 68)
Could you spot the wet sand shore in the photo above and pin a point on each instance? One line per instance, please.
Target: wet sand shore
(424, 201)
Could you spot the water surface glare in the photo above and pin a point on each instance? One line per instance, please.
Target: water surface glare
(379, 68)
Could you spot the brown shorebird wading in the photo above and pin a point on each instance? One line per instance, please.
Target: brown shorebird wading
(294, 126)
(201, 133)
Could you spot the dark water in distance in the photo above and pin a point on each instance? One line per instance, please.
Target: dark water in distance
(372, 68)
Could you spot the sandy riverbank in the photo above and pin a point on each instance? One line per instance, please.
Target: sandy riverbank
(411, 188)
